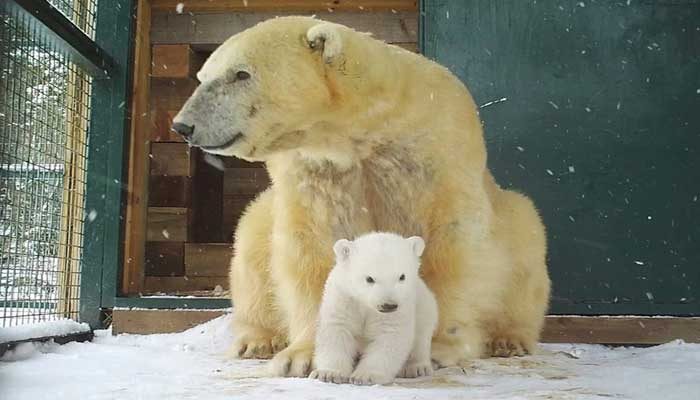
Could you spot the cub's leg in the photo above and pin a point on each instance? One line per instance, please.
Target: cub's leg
(257, 325)
(384, 356)
(418, 363)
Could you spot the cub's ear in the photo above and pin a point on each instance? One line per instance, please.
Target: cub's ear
(325, 37)
(343, 248)
(417, 245)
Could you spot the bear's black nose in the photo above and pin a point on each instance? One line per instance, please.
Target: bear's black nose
(184, 130)
(386, 307)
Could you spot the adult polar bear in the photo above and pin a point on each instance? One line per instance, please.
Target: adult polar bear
(357, 136)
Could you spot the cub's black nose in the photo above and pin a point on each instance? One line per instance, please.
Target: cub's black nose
(184, 130)
(386, 307)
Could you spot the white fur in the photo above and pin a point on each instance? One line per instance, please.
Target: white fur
(350, 323)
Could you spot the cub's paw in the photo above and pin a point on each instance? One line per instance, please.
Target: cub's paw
(329, 376)
(292, 361)
(261, 346)
(416, 369)
(506, 347)
(369, 378)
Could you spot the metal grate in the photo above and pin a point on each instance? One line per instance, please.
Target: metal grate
(80, 12)
(44, 109)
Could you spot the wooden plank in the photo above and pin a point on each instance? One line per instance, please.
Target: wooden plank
(207, 259)
(136, 194)
(171, 94)
(233, 162)
(213, 29)
(144, 322)
(620, 330)
(161, 132)
(167, 224)
(245, 181)
(175, 61)
(665, 329)
(184, 284)
(171, 159)
(165, 259)
(207, 199)
(286, 5)
(170, 191)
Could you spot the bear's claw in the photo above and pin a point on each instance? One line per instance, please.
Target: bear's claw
(415, 370)
(292, 362)
(261, 347)
(368, 378)
(505, 347)
(329, 376)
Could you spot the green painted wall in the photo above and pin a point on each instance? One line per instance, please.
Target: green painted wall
(601, 126)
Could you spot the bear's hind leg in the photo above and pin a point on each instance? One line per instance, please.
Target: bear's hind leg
(257, 326)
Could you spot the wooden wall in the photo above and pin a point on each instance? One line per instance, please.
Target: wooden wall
(176, 242)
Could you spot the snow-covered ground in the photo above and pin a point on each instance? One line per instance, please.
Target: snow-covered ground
(192, 365)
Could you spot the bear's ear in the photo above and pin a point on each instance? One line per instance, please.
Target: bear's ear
(417, 245)
(325, 38)
(343, 249)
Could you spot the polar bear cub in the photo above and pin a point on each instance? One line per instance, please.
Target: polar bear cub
(377, 316)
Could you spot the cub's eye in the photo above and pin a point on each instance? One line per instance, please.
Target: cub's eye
(242, 75)
(369, 279)
(402, 277)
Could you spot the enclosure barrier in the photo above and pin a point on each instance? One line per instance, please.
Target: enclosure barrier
(48, 59)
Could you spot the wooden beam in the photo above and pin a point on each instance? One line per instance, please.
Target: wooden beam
(245, 181)
(559, 329)
(137, 193)
(185, 285)
(175, 61)
(170, 191)
(144, 322)
(165, 259)
(171, 159)
(168, 224)
(283, 5)
(207, 259)
(620, 330)
(209, 30)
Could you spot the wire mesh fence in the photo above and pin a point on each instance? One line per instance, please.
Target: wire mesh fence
(80, 12)
(44, 111)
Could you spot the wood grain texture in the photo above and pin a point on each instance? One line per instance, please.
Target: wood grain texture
(136, 196)
(213, 29)
(143, 322)
(559, 329)
(168, 224)
(171, 159)
(207, 259)
(169, 191)
(245, 181)
(285, 5)
(207, 198)
(164, 259)
(620, 330)
(163, 121)
(185, 285)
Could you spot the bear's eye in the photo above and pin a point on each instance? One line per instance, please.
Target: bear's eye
(402, 277)
(242, 75)
(369, 279)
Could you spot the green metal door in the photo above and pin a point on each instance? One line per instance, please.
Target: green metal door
(593, 109)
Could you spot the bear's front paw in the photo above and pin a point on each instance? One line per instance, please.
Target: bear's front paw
(292, 361)
(416, 369)
(369, 378)
(329, 376)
